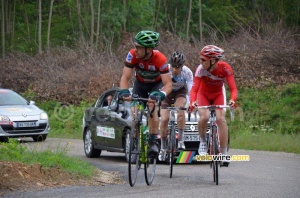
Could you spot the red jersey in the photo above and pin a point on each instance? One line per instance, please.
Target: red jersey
(148, 71)
(212, 82)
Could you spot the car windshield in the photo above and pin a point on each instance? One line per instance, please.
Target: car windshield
(8, 97)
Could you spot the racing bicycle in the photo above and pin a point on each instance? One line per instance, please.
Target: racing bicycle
(138, 148)
(213, 139)
(171, 140)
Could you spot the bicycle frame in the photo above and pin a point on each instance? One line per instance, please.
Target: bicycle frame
(214, 143)
(138, 120)
(139, 145)
(172, 136)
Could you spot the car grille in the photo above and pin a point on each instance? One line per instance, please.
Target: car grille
(10, 129)
(191, 127)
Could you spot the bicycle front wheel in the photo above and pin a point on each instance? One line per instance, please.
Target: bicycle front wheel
(150, 168)
(134, 156)
(172, 148)
(216, 152)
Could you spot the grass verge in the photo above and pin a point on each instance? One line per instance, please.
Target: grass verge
(14, 151)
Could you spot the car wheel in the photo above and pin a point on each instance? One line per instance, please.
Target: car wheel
(127, 145)
(39, 138)
(89, 149)
(4, 139)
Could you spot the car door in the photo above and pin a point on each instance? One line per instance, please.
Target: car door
(94, 121)
(112, 124)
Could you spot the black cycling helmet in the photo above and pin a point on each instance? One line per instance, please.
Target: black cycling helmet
(147, 38)
(177, 59)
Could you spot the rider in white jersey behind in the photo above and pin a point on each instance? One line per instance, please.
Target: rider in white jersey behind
(182, 78)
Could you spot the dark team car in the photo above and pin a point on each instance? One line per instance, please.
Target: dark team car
(106, 125)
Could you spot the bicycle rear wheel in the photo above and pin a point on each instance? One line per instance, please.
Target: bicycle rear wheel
(149, 169)
(134, 156)
(172, 147)
(215, 152)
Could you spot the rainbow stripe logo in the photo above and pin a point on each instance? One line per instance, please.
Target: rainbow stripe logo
(185, 157)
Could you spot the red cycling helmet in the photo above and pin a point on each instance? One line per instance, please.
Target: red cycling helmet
(212, 52)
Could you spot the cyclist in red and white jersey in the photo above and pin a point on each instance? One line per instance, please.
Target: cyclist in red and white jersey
(207, 90)
(152, 78)
(182, 82)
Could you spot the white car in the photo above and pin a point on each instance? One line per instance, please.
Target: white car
(21, 118)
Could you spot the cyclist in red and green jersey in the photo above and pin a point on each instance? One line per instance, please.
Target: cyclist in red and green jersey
(207, 90)
(153, 79)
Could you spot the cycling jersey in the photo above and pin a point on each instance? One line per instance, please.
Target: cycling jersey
(186, 76)
(148, 71)
(212, 82)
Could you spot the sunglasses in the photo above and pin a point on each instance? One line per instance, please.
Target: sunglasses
(203, 60)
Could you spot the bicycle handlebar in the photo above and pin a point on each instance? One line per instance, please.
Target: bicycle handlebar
(138, 99)
(174, 108)
(211, 107)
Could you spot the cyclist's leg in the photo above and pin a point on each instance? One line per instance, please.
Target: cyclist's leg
(163, 132)
(222, 127)
(180, 101)
(202, 123)
(221, 122)
(153, 122)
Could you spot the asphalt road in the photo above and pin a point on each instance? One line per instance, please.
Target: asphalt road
(267, 174)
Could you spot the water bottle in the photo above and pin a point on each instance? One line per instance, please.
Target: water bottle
(146, 133)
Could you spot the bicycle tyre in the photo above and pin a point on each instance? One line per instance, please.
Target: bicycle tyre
(228, 144)
(134, 156)
(149, 169)
(216, 152)
(172, 147)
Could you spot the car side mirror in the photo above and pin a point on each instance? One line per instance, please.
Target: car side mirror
(114, 107)
(31, 102)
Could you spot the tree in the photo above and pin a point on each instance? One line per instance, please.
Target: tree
(40, 26)
(49, 24)
(188, 21)
(200, 23)
(3, 31)
(98, 23)
(78, 5)
(92, 23)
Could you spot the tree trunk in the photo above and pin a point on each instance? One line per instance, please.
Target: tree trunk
(200, 23)
(3, 31)
(13, 25)
(156, 15)
(92, 23)
(49, 25)
(98, 23)
(124, 15)
(188, 22)
(79, 19)
(40, 27)
(26, 21)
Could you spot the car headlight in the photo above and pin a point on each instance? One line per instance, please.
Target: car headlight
(44, 116)
(4, 118)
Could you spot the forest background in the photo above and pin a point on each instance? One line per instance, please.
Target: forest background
(70, 50)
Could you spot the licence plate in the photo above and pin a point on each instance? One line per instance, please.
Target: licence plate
(26, 124)
(191, 138)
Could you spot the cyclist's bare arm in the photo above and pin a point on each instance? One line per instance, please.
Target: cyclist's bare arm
(167, 82)
(126, 75)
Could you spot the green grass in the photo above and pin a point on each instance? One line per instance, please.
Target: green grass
(15, 151)
(65, 121)
(267, 119)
